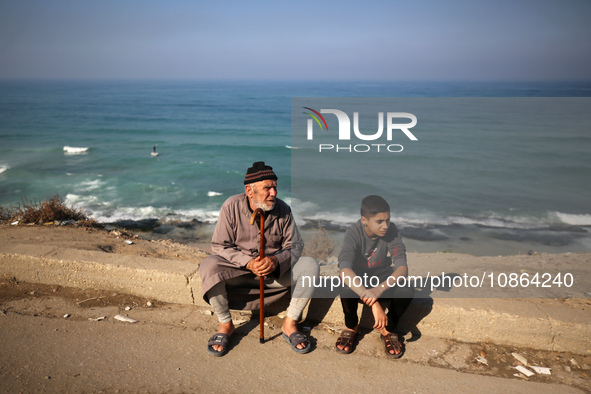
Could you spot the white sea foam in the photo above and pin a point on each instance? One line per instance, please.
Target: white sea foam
(165, 214)
(71, 150)
(213, 194)
(574, 220)
(3, 168)
(292, 147)
(91, 185)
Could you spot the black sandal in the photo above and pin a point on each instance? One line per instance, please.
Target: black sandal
(391, 342)
(219, 339)
(346, 339)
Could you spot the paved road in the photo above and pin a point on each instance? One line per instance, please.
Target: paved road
(53, 354)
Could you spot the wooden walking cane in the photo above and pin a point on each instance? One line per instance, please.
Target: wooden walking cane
(262, 280)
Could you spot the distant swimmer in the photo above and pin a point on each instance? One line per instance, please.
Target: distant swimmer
(154, 153)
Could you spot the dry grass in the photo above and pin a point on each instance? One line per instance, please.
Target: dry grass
(51, 210)
(320, 246)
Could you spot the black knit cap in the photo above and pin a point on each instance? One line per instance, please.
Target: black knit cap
(259, 172)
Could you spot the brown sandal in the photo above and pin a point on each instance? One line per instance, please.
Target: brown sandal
(346, 339)
(391, 342)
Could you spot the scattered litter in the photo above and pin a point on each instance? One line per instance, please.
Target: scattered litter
(128, 242)
(67, 315)
(90, 299)
(266, 324)
(126, 319)
(541, 370)
(524, 370)
(127, 308)
(240, 322)
(435, 353)
(483, 353)
(482, 360)
(519, 375)
(567, 368)
(97, 319)
(149, 304)
(281, 315)
(14, 223)
(574, 362)
(208, 313)
(520, 358)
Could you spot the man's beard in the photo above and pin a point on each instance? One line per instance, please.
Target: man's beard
(262, 205)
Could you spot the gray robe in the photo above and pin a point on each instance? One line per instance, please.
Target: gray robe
(235, 242)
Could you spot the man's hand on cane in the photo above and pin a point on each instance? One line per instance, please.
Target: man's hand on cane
(263, 267)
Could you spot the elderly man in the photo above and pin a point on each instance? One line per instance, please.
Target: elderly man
(230, 276)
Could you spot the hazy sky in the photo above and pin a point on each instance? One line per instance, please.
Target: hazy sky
(351, 40)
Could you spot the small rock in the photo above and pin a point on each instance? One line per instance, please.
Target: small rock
(67, 315)
(33, 293)
(127, 308)
(208, 313)
(567, 368)
(574, 362)
(585, 367)
(149, 303)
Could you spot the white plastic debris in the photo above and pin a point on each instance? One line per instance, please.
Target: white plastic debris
(126, 319)
(482, 360)
(240, 322)
(524, 370)
(541, 370)
(97, 319)
(520, 358)
(208, 313)
(14, 223)
(128, 242)
(127, 308)
(149, 303)
(67, 315)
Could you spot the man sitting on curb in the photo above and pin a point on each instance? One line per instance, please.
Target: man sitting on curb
(230, 276)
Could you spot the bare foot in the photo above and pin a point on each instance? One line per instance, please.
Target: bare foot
(225, 328)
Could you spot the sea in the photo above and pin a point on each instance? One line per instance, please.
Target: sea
(473, 191)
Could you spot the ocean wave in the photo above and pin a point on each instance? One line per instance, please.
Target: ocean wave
(71, 150)
(573, 219)
(292, 147)
(4, 168)
(213, 194)
(549, 220)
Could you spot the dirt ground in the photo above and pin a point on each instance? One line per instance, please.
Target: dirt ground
(72, 304)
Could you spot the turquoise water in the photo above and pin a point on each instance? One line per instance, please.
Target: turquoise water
(528, 191)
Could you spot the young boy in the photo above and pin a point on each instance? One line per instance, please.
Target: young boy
(370, 274)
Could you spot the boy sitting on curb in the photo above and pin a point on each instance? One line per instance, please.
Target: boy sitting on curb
(370, 274)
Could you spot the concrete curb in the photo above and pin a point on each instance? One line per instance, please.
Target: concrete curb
(513, 322)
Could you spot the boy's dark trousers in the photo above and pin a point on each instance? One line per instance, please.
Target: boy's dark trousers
(395, 299)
